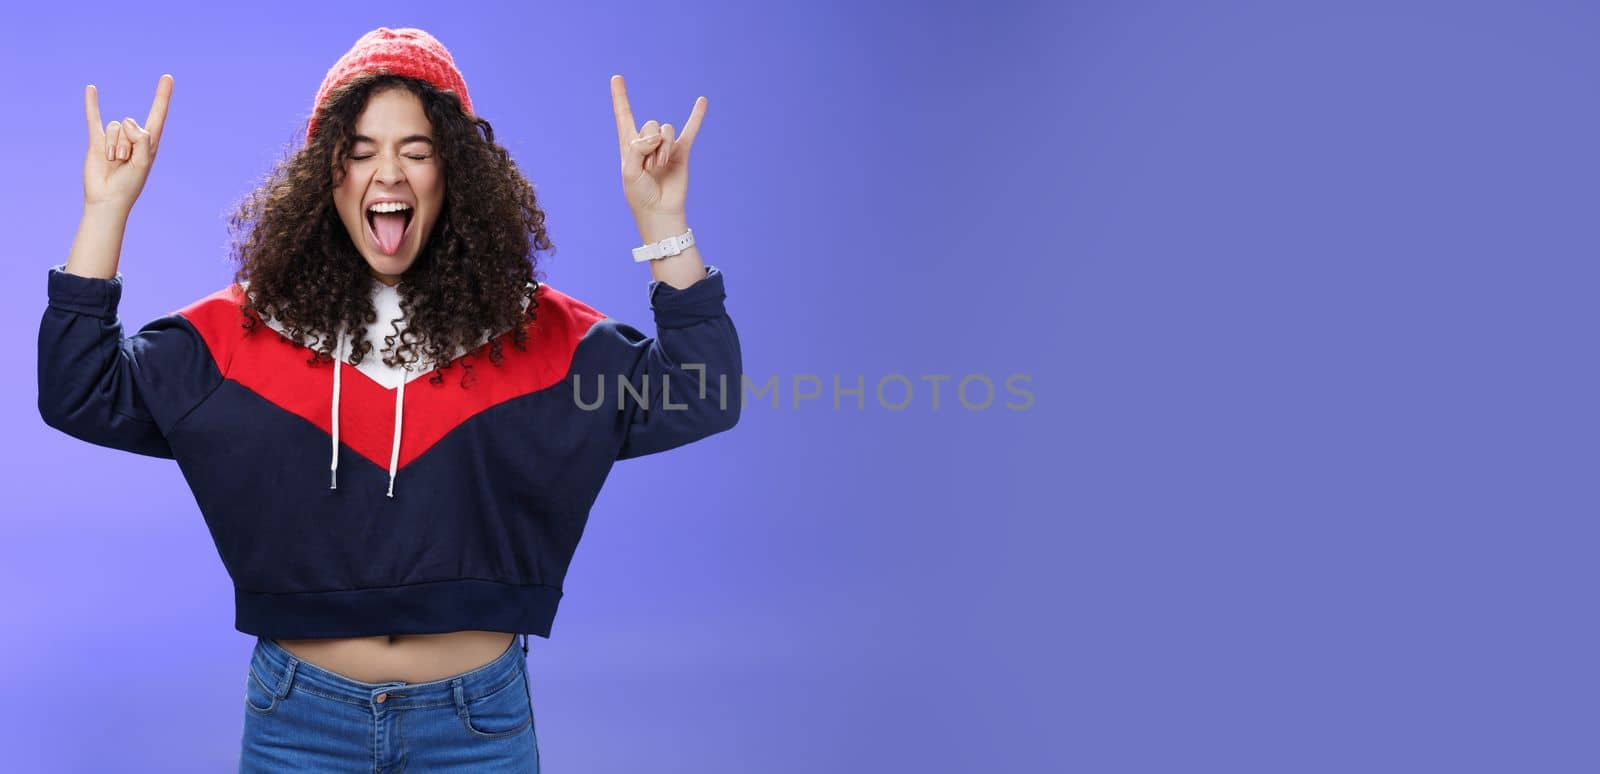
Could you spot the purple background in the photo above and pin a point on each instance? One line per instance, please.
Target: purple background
(1305, 293)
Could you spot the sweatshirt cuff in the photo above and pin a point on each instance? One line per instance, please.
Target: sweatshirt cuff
(680, 308)
(84, 295)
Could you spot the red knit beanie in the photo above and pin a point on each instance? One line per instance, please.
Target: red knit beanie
(405, 51)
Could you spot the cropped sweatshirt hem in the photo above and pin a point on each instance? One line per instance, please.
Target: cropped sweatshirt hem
(416, 608)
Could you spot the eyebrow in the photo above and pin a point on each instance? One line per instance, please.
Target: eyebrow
(404, 140)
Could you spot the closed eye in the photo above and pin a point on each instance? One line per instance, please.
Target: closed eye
(369, 155)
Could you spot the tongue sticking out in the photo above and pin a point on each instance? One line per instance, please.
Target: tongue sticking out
(389, 227)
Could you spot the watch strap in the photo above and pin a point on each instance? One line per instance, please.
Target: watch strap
(670, 246)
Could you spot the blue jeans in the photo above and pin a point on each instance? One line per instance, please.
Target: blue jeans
(300, 717)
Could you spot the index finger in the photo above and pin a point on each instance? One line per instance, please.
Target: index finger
(158, 109)
(626, 129)
(91, 110)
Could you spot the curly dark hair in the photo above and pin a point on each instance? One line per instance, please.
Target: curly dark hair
(469, 278)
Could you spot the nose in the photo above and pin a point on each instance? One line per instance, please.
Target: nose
(389, 169)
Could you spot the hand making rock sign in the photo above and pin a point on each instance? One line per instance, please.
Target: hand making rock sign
(121, 152)
(655, 165)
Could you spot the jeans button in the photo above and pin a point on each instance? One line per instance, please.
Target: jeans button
(380, 697)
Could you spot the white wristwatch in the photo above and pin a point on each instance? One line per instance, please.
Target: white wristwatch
(655, 251)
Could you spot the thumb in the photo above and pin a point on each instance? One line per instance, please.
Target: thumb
(638, 149)
(140, 139)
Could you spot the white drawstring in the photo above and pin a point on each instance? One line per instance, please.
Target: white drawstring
(399, 413)
(341, 347)
(338, 357)
(394, 452)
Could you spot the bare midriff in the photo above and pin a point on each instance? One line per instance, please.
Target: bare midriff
(412, 658)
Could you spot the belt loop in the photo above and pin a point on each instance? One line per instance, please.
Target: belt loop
(461, 700)
(524, 644)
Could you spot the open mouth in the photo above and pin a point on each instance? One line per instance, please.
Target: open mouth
(389, 230)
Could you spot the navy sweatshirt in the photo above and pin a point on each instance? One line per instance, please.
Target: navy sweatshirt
(366, 500)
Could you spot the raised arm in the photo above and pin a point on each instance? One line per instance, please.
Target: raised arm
(94, 383)
(685, 383)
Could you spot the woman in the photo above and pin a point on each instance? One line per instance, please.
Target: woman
(397, 243)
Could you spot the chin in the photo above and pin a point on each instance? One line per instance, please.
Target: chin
(390, 266)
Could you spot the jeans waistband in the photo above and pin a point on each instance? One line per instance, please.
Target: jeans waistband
(280, 671)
